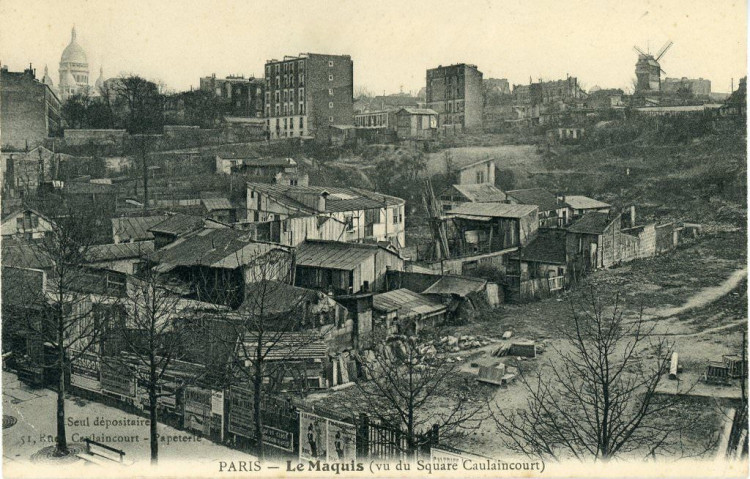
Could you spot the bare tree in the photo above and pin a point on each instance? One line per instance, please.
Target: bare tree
(68, 322)
(598, 398)
(153, 342)
(406, 390)
(267, 330)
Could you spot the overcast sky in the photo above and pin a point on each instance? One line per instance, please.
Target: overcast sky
(392, 42)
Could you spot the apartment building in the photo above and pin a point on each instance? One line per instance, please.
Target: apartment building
(455, 93)
(307, 95)
(244, 96)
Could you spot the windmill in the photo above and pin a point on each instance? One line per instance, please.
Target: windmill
(648, 70)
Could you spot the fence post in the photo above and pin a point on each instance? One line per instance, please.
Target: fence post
(363, 431)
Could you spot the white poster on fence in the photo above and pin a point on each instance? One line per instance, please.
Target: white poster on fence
(342, 441)
(313, 438)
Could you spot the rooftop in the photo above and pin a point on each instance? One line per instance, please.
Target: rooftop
(290, 346)
(475, 163)
(216, 248)
(334, 254)
(417, 111)
(460, 285)
(593, 222)
(548, 247)
(481, 193)
(337, 199)
(178, 224)
(540, 197)
(213, 204)
(112, 252)
(584, 203)
(135, 228)
(492, 210)
(406, 303)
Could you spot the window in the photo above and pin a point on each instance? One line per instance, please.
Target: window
(330, 119)
(480, 176)
(330, 92)
(330, 104)
(330, 77)
(301, 124)
(301, 93)
(330, 63)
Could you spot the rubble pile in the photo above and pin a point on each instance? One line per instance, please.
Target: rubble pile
(454, 344)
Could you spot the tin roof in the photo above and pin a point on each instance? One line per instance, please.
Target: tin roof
(481, 193)
(25, 256)
(111, 252)
(548, 247)
(540, 197)
(178, 224)
(417, 111)
(217, 248)
(492, 210)
(407, 303)
(578, 202)
(135, 228)
(214, 204)
(338, 198)
(459, 285)
(288, 346)
(334, 254)
(593, 222)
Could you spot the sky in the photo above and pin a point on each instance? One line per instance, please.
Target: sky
(392, 42)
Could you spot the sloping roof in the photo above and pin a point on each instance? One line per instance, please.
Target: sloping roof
(178, 224)
(87, 188)
(547, 247)
(22, 287)
(213, 204)
(406, 303)
(493, 210)
(111, 252)
(25, 256)
(481, 193)
(289, 346)
(135, 228)
(540, 197)
(338, 199)
(460, 285)
(593, 222)
(417, 111)
(276, 297)
(578, 202)
(16, 211)
(217, 248)
(334, 254)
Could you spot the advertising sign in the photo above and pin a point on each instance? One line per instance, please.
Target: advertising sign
(278, 438)
(84, 373)
(326, 439)
(117, 379)
(217, 402)
(240, 412)
(198, 409)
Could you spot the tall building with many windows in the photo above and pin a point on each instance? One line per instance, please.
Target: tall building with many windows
(307, 95)
(455, 93)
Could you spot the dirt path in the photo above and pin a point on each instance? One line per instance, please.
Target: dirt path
(704, 296)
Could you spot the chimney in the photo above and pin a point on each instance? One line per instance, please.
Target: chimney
(322, 201)
(632, 216)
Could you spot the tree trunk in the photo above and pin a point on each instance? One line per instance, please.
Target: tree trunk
(61, 440)
(257, 384)
(152, 426)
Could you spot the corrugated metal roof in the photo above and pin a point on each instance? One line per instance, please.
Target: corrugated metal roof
(459, 285)
(288, 346)
(334, 255)
(178, 224)
(593, 222)
(111, 252)
(407, 303)
(540, 197)
(349, 199)
(584, 203)
(213, 204)
(25, 256)
(494, 210)
(218, 248)
(481, 193)
(135, 228)
(548, 247)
